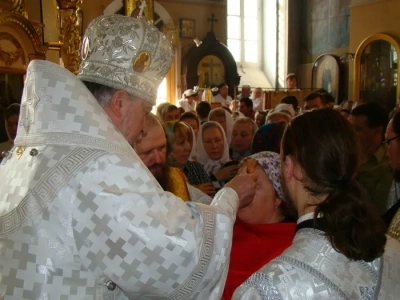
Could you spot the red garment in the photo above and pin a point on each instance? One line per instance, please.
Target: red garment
(253, 246)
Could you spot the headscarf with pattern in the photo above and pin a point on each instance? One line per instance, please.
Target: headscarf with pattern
(270, 162)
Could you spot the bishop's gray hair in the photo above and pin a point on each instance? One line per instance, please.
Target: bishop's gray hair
(101, 92)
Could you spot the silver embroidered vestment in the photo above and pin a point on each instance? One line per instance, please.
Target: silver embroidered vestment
(79, 211)
(312, 269)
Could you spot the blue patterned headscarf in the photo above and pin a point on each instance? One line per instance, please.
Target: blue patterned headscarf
(270, 162)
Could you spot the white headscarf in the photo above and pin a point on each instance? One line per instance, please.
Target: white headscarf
(193, 152)
(229, 126)
(228, 123)
(210, 165)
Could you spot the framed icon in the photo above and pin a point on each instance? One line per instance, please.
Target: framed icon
(187, 28)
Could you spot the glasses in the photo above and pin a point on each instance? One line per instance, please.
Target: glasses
(387, 141)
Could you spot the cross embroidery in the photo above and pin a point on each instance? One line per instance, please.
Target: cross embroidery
(142, 6)
(28, 106)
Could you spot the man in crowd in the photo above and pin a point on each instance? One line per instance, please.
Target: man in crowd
(82, 216)
(292, 100)
(392, 141)
(291, 81)
(313, 101)
(202, 110)
(328, 100)
(370, 121)
(153, 149)
(257, 99)
(170, 113)
(246, 108)
(245, 92)
(222, 96)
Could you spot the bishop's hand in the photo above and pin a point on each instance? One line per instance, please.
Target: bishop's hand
(244, 185)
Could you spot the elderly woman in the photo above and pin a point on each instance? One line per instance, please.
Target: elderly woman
(182, 143)
(213, 153)
(262, 229)
(243, 131)
(282, 113)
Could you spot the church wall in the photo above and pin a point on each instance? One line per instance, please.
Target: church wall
(369, 19)
(200, 11)
(339, 27)
(323, 28)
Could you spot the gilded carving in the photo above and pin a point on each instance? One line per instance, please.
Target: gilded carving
(17, 6)
(70, 33)
(10, 57)
(66, 4)
(13, 19)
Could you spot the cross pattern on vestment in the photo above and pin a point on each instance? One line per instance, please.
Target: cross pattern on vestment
(29, 105)
(142, 6)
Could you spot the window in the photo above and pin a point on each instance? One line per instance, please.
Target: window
(243, 31)
(161, 95)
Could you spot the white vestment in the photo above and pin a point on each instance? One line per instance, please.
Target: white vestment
(81, 217)
(258, 104)
(312, 269)
(186, 105)
(219, 99)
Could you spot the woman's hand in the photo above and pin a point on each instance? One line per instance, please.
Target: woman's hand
(226, 173)
(206, 188)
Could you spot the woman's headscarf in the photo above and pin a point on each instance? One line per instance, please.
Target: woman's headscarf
(229, 123)
(193, 152)
(210, 165)
(229, 126)
(270, 162)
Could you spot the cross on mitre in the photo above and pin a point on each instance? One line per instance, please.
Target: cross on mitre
(142, 6)
(28, 106)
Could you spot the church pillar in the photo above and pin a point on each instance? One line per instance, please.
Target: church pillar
(70, 15)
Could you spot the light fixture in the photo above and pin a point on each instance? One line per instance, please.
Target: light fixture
(197, 42)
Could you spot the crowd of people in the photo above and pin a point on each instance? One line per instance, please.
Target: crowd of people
(101, 199)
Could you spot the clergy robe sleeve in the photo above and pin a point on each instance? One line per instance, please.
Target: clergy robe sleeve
(198, 196)
(147, 241)
(257, 287)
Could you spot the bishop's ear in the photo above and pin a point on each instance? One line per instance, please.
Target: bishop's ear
(117, 102)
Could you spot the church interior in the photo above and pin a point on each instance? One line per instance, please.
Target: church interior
(315, 39)
(229, 129)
